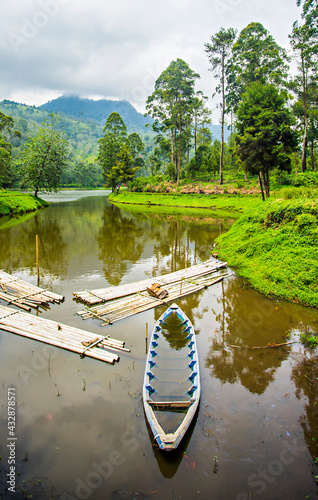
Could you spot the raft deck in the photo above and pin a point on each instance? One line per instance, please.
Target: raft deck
(15, 291)
(92, 297)
(59, 335)
(116, 303)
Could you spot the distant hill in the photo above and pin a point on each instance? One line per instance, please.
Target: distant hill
(88, 109)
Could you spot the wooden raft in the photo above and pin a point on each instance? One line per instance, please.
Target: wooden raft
(92, 297)
(120, 308)
(15, 291)
(59, 335)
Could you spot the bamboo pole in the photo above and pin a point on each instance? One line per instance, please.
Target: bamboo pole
(133, 304)
(37, 257)
(50, 332)
(104, 294)
(20, 291)
(102, 355)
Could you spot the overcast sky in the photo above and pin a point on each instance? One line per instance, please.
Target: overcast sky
(117, 49)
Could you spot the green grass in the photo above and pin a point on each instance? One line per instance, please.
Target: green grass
(13, 203)
(275, 246)
(227, 204)
(309, 340)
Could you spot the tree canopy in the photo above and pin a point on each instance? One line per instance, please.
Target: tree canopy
(265, 138)
(6, 133)
(255, 57)
(219, 51)
(44, 158)
(171, 106)
(118, 155)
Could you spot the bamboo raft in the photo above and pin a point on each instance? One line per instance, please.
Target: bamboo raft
(122, 307)
(15, 291)
(93, 297)
(60, 335)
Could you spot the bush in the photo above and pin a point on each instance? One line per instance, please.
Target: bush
(306, 179)
(284, 179)
(141, 184)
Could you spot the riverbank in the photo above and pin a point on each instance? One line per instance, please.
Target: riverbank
(275, 247)
(15, 203)
(228, 204)
(273, 244)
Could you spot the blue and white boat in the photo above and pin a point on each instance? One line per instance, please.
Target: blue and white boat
(171, 390)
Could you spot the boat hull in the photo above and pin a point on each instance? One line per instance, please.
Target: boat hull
(171, 390)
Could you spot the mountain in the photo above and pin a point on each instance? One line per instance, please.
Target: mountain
(88, 109)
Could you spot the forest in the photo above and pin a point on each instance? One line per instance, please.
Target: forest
(269, 122)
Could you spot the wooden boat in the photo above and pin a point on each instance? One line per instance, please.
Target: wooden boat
(171, 390)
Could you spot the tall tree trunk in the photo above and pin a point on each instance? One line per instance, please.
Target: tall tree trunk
(312, 156)
(304, 155)
(261, 184)
(265, 182)
(304, 76)
(222, 120)
(172, 146)
(179, 155)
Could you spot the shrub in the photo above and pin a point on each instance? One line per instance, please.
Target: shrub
(306, 179)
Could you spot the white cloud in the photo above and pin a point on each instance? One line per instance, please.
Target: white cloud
(117, 49)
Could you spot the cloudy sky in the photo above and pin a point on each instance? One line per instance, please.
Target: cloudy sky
(116, 49)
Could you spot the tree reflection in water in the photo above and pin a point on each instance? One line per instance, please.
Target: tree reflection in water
(121, 240)
(246, 320)
(305, 376)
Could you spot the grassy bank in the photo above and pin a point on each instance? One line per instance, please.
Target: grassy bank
(275, 246)
(13, 203)
(215, 204)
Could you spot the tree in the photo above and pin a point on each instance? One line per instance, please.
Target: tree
(219, 51)
(265, 139)
(124, 169)
(6, 134)
(171, 106)
(85, 173)
(303, 40)
(310, 17)
(5, 161)
(255, 57)
(199, 164)
(204, 136)
(44, 158)
(136, 148)
(201, 115)
(115, 137)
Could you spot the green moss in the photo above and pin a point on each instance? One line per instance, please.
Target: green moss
(275, 247)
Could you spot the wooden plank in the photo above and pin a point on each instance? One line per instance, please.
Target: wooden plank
(166, 405)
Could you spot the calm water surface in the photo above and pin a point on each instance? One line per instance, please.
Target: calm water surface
(81, 430)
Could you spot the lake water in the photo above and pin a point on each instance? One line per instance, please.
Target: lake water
(80, 425)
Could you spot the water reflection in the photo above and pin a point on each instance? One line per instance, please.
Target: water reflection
(121, 241)
(305, 376)
(255, 403)
(169, 463)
